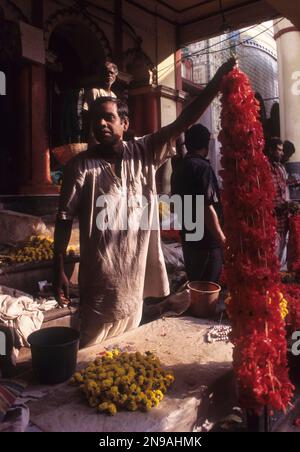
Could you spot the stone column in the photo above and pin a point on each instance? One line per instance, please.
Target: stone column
(37, 179)
(288, 47)
(152, 107)
(36, 133)
(144, 109)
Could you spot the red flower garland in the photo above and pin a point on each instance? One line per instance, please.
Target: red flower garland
(252, 268)
(293, 251)
(292, 294)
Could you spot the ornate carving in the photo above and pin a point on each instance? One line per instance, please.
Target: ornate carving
(72, 15)
(139, 65)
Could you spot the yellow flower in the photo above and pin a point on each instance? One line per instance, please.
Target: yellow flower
(103, 406)
(159, 395)
(129, 381)
(112, 409)
(78, 377)
(283, 307)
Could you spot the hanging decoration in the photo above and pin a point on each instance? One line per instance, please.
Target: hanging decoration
(292, 294)
(293, 251)
(256, 305)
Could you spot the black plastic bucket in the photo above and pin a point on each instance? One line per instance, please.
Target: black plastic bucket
(54, 353)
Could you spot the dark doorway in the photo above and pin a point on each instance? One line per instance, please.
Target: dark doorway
(77, 53)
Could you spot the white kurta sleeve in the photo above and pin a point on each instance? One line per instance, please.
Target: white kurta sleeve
(156, 153)
(71, 189)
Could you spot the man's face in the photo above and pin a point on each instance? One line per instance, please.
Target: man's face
(205, 152)
(277, 153)
(109, 76)
(107, 125)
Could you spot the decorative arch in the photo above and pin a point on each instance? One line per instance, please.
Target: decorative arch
(70, 15)
(9, 6)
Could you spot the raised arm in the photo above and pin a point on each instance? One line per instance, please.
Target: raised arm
(193, 111)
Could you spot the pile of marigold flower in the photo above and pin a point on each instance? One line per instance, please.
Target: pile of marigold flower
(123, 381)
(38, 248)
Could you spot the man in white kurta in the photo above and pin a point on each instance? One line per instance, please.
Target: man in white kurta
(118, 266)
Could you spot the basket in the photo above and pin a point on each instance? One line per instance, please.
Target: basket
(64, 153)
(204, 296)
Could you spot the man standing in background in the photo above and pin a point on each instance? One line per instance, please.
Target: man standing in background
(107, 77)
(195, 176)
(282, 197)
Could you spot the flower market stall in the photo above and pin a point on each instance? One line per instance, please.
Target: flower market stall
(199, 368)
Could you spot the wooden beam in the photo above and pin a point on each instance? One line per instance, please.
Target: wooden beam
(118, 33)
(290, 10)
(244, 16)
(37, 13)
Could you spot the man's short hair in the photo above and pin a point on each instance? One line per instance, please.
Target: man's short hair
(99, 67)
(197, 137)
(122, 107)
(271, 146)
(288, 148)
(274, 142)
(113, 65)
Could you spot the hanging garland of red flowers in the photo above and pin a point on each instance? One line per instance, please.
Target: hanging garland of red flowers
(293, 251)
(252, 268)
(292, 294)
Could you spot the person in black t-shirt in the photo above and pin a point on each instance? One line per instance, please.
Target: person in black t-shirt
(195, 176)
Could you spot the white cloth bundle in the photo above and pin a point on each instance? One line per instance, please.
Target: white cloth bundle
(23, 314)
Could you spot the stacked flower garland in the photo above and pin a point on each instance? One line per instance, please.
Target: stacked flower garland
(251, 265)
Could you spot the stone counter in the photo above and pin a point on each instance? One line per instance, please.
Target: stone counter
(25, 276)
(180, 344)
